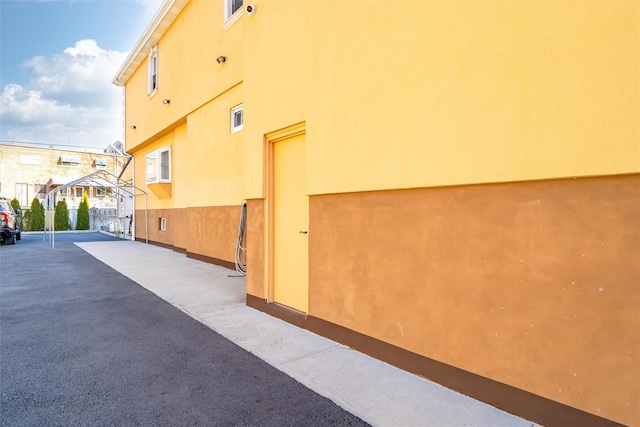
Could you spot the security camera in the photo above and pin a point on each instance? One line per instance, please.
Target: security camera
(250, 8)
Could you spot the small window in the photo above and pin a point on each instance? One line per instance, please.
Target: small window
(165, 166)
(158, 166)
(237, 119)
(152, 166)
(30, 159)
(73, 161)
(79, 191)
(153, 70)
(21, 194)
(231, 7)
(101, 191)
(100, 163)
(162, 224)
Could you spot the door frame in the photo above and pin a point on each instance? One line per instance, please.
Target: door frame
(269, 140)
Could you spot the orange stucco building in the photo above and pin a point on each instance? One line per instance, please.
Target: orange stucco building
(452, 187)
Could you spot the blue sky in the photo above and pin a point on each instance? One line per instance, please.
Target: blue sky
(57, 59)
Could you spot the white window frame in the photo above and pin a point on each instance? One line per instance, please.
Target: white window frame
(101, 191)
(229, 16)
(22, 193)
(75, 192)
(30, 159)
(70, 161)
(234, 113)
(162, 224)
(153, 71)
(156, 176)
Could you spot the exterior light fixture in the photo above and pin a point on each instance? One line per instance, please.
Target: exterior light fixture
(132, 127)
(166, 101)
(221, 59)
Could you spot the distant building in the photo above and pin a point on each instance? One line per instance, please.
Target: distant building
(28, 172)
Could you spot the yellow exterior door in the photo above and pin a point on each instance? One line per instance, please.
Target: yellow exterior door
(290, 225)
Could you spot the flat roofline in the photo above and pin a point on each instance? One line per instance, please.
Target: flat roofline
(55, 147)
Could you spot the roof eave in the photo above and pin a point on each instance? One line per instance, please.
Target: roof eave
(164, 17)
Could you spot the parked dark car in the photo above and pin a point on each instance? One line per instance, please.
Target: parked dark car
(10, 223)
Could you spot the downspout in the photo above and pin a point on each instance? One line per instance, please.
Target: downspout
(146, 219)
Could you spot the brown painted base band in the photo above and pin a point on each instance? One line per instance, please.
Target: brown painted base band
(154, 243)
(516, 401)
(198, 257)
(212, 260)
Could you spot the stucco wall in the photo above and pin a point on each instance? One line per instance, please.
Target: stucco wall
(430, 93)
(256, 250)
(208, 233)
(213, 231)
(188, 73)
(153, 232)
(520, 279)
(531, 284)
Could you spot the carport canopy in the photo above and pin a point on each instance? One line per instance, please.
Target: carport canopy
(100, 179)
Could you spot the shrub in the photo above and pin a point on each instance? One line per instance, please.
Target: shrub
(82, 223)
(61, 216)
(36, 216)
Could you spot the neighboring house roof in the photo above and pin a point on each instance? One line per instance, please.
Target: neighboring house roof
(40, 147)
(165, 16)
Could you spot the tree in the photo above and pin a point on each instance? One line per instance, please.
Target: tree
(36, 216)
(61, 216)
(82, 223)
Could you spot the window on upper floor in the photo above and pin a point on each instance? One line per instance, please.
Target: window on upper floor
(230, 9)
(73, 161)
(237, 118)
(30, 159)
(153, 70)
(100, 163)
(158, 166)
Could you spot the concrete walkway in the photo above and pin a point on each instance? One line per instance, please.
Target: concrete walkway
(378, 393)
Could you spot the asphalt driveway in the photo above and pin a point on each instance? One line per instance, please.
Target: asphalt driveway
(82, 345)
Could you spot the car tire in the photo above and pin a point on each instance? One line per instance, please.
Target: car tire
(19, 236)
(11, 240)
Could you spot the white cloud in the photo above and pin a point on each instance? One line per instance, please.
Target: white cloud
(70, 99)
